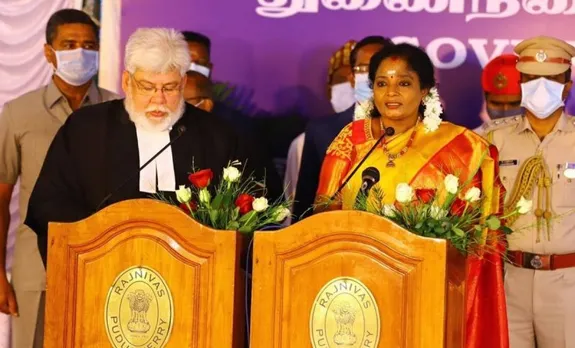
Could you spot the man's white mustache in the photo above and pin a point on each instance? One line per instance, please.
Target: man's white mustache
(156, 108)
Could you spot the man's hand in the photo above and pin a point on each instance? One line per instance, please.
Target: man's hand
(8, 304)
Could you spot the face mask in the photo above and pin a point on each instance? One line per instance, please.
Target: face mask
(497, 113)
(342, 96)
(542, 96)
(76, 67)
(200, 69)
(362, 89)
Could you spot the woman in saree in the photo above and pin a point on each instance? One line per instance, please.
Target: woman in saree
(403, 137)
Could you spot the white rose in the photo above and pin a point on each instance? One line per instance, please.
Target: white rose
(282, 214)
(451, 183)
(184, 194)
(437, 213)
(260, 204)
(403, 193)
(389, 210)
(205, 196)
(231, 174)
(473, 194)
(524, 206)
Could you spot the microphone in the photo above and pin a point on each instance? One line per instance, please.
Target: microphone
(180, 130)
(360, 163)
(370, 177)
(389, 131)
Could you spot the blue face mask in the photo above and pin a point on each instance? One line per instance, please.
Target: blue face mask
(362, 90)
(496, 113)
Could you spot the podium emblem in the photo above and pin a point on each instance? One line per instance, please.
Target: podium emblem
(139, 309)
(344, 314)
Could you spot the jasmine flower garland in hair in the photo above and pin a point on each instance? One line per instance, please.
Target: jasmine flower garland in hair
(433, 109)
(363, 110)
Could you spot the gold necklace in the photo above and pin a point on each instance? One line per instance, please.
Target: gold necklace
(391, 157)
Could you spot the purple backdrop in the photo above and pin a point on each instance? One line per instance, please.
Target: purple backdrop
(280, 64)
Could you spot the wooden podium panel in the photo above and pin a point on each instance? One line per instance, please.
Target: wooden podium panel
(141, 273)
(353, 279)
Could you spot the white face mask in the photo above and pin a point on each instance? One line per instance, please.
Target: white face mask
(363, 89)
(342, 96)
(542, 96)
(76, 67)
(204, 70)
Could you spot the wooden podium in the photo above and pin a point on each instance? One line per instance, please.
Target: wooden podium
(141, 273)
(353, 279)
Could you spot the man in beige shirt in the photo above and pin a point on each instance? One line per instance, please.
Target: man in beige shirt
(537, 161)
(27, 127)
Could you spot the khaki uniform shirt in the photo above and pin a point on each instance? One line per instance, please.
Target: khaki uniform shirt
(516, 142)
(27, 126)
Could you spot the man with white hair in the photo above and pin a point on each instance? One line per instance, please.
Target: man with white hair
(95, 157)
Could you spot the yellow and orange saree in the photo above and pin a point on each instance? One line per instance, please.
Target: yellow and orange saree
(448, 150)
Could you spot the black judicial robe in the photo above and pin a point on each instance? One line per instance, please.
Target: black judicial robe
(96, 150)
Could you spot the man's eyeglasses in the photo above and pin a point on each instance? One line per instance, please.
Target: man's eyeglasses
(170, 89)
(360, 69)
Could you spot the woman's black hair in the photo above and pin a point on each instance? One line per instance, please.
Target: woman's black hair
(417, 60)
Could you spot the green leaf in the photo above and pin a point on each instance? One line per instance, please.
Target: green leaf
(235, 213)
(439, 230)
(458, 231)
(233, 226)
(478, 228)
(246, 229)
(493, 223)
(419, 225)
(248, 216)
(214, 216)
(506, 229)
(217, 202)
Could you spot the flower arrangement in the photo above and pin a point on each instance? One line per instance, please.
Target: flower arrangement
(235, 203)
(448, 214)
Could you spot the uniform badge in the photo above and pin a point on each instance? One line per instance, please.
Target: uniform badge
(508, 163)
(541, 56)
(569, 171)
(500, 81)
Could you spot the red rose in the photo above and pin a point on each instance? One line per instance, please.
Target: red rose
(202, 178)
(425, 195)
(244, 202)
(185, 208)
(457, 207)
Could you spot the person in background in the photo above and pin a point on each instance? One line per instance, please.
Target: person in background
(537, 160)
(320, 132)
(340, 92)
(501, 84)
(200, 48)
(200, 71)
(198, 91)
(27, 126)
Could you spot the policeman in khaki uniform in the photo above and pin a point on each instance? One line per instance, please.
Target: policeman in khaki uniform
(501, 83)
(537, 161)
(27, 126)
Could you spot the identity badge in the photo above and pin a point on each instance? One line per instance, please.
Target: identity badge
(508, 163)
(569, 171)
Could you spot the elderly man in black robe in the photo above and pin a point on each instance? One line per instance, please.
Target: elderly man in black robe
(94, 159)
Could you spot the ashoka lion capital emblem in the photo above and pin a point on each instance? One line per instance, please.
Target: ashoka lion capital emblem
(139, 304)
(139, 309)
(345, 317)
(344, 314)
